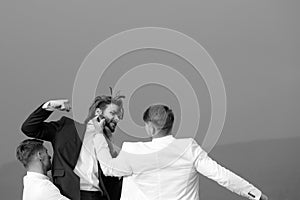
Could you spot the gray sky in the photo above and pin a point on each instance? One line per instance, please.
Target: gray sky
(255, 44)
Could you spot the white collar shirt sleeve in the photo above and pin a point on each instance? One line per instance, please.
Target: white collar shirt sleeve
(38, 186)
(211, 169)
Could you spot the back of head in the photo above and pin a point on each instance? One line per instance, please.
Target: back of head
(27, 149)
(161, 117)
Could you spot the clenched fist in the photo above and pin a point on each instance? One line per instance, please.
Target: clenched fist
(62, 105)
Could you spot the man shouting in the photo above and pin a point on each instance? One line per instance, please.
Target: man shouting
(75, 168)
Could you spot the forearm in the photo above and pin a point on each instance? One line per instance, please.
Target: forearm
(36, 127)
(110, 166)
(228, 179)
(35, 120)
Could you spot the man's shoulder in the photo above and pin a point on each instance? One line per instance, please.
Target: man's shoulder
(38, 189)
(136, 147)
(189, 145)
(69, 121)
(184, 140)
(127, 146)
(36, 184)
(69, 130)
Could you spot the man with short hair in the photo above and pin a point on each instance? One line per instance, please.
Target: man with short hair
(37, 185)
(166, 168)
(75, 169)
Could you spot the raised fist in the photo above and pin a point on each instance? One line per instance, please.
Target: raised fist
(62, 105)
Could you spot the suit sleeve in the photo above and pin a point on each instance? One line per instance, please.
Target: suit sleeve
(110, 166)
(211, 169)
(35, 127)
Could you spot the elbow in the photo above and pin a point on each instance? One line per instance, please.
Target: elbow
(26, 130)
(105, 172)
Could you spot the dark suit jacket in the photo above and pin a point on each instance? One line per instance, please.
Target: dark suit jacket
(66, 136)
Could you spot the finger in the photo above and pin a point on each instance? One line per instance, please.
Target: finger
(101, 123)
(60, 101)
(67, 106)
(65, 109)
(64, 104)
(64, 100)
(59, 104)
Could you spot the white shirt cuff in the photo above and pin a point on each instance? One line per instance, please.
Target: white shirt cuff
(254, 194)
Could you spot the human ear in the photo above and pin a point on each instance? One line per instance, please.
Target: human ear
(39, 155)
(147, 128)
(152, 129)
(98, 112)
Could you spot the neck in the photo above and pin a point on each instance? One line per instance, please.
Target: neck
(159, 135)
(37, 168)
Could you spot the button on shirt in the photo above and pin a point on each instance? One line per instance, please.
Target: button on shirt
(38, 186)
(87, 166)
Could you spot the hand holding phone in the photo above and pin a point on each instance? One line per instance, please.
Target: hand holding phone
(107, 125)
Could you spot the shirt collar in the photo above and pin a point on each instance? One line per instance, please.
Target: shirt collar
(164, 139)
(90, 123)
(37, 175)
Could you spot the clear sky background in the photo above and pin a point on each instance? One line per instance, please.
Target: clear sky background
(255, 44)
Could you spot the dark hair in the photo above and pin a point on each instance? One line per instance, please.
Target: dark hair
(161, 116)
(102, 102)
(27, 149)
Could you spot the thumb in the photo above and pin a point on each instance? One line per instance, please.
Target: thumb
(102, 123)
(64, 100)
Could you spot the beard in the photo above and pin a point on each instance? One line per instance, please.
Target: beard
(109, 128)
(109, 125)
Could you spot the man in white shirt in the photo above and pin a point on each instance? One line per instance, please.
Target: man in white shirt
(37, 185)
(166, 168)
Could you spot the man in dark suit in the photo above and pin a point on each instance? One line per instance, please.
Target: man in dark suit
(75, 168)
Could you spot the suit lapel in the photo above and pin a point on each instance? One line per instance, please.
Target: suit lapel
(80, 129)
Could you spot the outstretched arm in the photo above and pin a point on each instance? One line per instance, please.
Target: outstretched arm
(211, 169)
(34, 126)
(110, 166)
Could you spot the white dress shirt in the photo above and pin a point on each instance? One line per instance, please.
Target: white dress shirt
(167, 168)
(38, 186)
(87, 166)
